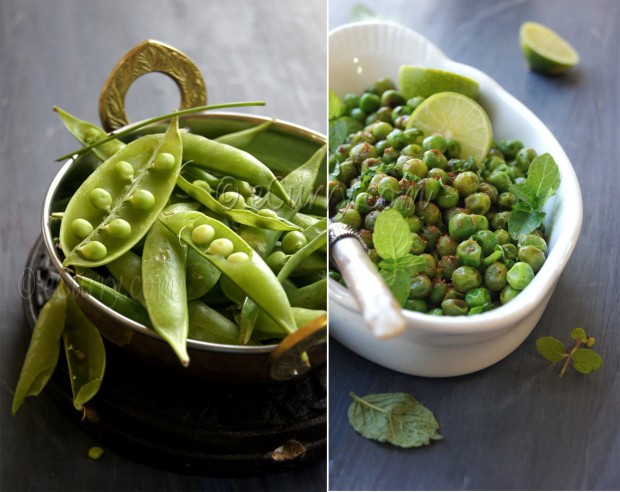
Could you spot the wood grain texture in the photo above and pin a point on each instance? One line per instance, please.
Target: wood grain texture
(60, 52)
(515, 426)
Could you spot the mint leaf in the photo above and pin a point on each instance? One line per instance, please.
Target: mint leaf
(391, 237)
(409, 263)
(551, 348)
(397, 418)
(524, 220)
(585, 360)
(337, 133)
(579, 334)
(398, 282)
(524, 193)
(543, 177)
(335, 106)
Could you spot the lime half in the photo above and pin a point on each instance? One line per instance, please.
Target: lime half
(420, 81)
(546, 51)
(456, 116)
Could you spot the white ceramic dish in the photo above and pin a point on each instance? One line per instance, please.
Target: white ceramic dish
(432, 346)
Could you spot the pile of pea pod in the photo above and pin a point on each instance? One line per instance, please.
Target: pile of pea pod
(190, 236)
(457, 209)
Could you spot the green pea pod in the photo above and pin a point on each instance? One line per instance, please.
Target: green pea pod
(127, 271)
(266, 329)
(208, 325)
(300, 181)
(85, 354)
(312, 296)
(243, 138)
(201, 275)
(230, 161)
(87, 133)
(316, 262)
(114, 300)
(241, 216)
(198, 174)
(250, 310)
(163, 286)
(117, 204)
(304, 220)
(241, 264)
(44, 348)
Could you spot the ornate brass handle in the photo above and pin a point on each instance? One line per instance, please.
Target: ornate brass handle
(149, 56)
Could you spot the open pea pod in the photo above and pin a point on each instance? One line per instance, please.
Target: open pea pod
(243, 138)
(117, 204)
(230, 161)
(236, 260)
(241, 216)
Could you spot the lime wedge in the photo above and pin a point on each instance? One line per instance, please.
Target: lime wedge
(420, 81)
(546, 51)
(456, 116)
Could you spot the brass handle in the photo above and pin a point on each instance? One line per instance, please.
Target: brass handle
(149, 56)
(290, 358)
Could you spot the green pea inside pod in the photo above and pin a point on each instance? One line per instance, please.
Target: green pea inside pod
(120, 203)
(252, 275)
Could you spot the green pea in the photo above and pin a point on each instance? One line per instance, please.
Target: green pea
(92, 135)
(469, 253)
(143, 199)
(477, 297)
(435, 142)
(533, 240)
(119, 228)
(364, 202)
(487, 240)
(94, 250)
(454, 149)
(238, 257)
(448, 197)
(461, 226)
(520, 275)
(81, 228)
(433, 158)
(508, 294)
(164, 161)
(221, 246)
(232, 199)
(454, 307)
(414, 102)
(446, 245)
(416, 167)
(500, 180)
(124, 170)
(420, 287)
(349, 216)
(533, 256)
(466, 183)
(100, 198)
(389, 188)
(478, 203)
(447, 266)
(435, 312)
(276, 261)
(438, 291)
(465, 278)
(293, 241)
(267, 212)
(203, 234)
(369, 102)
(418, 245)
(417, 305)
(495, 276)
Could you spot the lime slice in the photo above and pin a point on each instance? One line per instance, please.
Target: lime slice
(546, 51)
(420, 81)
(455, 116)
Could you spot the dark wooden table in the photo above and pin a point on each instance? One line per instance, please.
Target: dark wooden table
(60, 53)
(516, 425)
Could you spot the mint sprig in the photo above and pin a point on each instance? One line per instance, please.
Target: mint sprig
(392, 241)
(585, 360)
(543, 180)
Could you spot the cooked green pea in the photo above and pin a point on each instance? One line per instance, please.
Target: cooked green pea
(203, 234)
(417, 305)
(221, 246)
(469, 253)
(448, 197)
(495, 276)
(461, 226)
(478, 203)
(435, 142)
(100, 198)
(119, 228)
(164, 161)
(418, 245)
(533, 256)
(477, 297)
(232, 199)
(447, 265)
(466, 183)
(487, 240)
(93, 250)
(238, 257)
(125, 170)
(416, 167)
(435, 312)
(533, 240)
(454, 307)
(81, 228)
(465, 278)
(143, 199)
(420, 287)
(508, 294)
(439, 289)
(520, 275)
(446, 245)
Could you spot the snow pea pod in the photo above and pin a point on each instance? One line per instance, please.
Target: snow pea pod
(201, 275)
(266, 329)
(208, 325)
(311, 296)
(230, 161)
(88, 133)
(235, 259)
(127, 271)
(114, 300)
(163, 287)
(250, 310)
(243, 138)
(44, 348)
(85, 354)
(116, 205)
(241, 216)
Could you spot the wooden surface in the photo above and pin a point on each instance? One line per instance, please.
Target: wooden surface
(516, 425)
(60, 53)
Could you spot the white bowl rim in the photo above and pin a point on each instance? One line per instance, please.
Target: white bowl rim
(507, 315)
